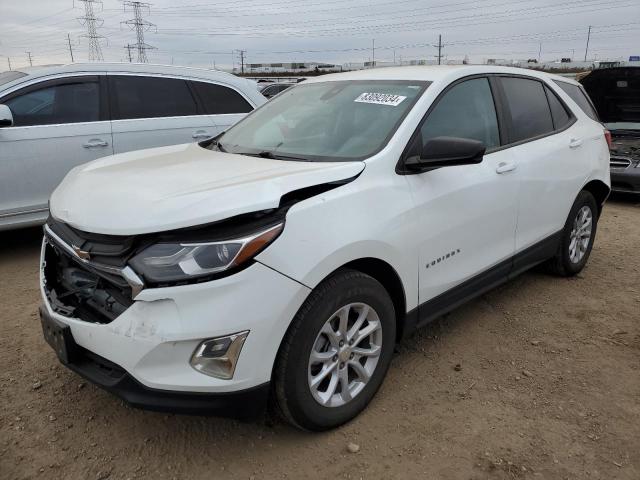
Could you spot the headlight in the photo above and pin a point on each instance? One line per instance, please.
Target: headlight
(178, 261)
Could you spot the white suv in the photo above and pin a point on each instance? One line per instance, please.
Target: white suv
(286, 257)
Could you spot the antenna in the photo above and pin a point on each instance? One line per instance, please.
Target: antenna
(140, 27)
(92, 23)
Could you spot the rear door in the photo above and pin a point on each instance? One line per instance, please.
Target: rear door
(549, 146)
(58, 124)
(154, 111)
(222, 103)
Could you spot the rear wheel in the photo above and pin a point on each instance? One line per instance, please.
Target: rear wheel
(577, 237)
(336, 352)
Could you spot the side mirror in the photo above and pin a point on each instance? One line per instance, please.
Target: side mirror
(446, 152)
(6, 117)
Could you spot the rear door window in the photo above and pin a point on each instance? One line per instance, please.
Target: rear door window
(217, 99)
(577, 95)
(561, 117)
(72, 101)
(150, 97)
(528, 106)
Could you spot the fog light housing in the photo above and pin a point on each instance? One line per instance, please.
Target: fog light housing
(217, 357)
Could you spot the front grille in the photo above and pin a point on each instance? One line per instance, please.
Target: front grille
(620, 163)
(80, 290)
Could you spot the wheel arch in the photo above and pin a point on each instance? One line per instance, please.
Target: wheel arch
(388, 277)
(600, 192)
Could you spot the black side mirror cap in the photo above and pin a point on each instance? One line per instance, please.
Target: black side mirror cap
(446, 152)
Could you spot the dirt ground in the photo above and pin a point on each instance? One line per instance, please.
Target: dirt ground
(548, 386)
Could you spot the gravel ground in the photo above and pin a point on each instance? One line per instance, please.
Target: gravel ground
(537, 379)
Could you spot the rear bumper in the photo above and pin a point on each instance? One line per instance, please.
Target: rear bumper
(245, 404)
(626, 180)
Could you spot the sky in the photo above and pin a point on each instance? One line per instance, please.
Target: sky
(211, 33)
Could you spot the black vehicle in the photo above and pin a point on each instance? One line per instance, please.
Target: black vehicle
(615, 93)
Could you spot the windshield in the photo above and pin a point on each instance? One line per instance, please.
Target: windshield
(330, 121)
(10, 76)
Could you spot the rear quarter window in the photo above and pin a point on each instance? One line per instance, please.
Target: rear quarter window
(218, 99)
(561, 118)
(580, 97)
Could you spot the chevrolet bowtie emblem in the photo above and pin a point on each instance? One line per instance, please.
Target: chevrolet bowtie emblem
(81, 253)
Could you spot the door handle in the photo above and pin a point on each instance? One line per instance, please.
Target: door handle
(201, 134)
(504, 167)
(575, 142)
(95, 142)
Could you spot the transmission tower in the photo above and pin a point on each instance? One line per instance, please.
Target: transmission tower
(140, 27)
(92, 23)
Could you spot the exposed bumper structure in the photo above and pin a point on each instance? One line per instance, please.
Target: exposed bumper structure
(148, 347)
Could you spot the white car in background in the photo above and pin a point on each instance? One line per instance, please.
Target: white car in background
(58, 117)
(286, 257)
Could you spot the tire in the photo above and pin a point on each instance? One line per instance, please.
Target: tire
(316, 327)
(569, 262)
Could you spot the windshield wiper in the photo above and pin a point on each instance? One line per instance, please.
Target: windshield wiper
(273, 156)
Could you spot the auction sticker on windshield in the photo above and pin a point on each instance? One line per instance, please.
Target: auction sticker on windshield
(380, 99)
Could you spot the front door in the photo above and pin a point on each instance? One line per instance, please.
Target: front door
(465, 215)
(58, 124)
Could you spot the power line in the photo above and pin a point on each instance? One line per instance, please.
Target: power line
(140, 27)
(435, 19)
(92, 22)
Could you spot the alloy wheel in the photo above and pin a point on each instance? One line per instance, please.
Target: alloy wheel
(345, 354)
(580, 234)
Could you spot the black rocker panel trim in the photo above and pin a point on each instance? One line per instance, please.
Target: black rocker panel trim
(482, 283)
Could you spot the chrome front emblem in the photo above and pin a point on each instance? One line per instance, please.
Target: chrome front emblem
(81, 253)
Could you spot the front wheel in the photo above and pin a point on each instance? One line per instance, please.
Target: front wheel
(577, 237)
(336, 352)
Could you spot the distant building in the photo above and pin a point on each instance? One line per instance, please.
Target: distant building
(401, 63)
(291, 67)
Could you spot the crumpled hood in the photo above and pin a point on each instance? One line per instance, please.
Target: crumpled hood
(180, 186)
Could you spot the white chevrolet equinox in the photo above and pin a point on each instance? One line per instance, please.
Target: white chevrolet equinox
(284, 259)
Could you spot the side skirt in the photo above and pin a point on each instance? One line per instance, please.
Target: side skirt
(482, 283)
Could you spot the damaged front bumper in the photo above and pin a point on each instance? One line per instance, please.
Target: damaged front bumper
(141, 349)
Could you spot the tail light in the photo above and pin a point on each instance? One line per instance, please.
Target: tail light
(607, 137)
